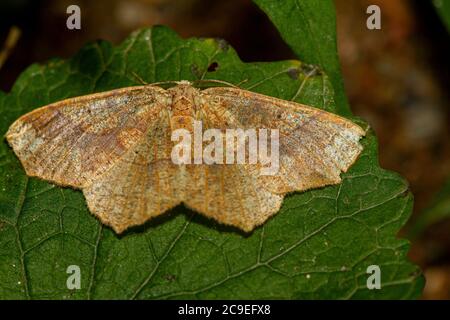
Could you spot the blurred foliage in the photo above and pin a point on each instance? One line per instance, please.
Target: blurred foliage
(438, 211)
(443, 8)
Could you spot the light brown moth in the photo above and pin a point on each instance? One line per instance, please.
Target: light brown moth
(116, 147)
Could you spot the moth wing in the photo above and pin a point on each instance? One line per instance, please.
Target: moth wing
(231, 194)
(142, 184)
(315, 146)
(74, 141)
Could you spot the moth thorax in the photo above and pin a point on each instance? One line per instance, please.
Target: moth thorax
(183, 97)
(182, 106)
(182, 122)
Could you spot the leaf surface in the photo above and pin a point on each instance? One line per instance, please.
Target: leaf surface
(318, 246)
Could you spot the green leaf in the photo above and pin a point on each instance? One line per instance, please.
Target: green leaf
(318, 246)
(443, 9)
(438, 211)
(309, 28)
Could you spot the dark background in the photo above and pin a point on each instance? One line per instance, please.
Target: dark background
(396, 78)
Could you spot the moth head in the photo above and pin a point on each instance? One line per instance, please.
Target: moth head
(183, 98)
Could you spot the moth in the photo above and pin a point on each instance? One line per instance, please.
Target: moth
(116, 147)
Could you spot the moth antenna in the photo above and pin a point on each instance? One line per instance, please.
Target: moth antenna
(142, 81)
(242, 82)
(138, 78)
(218, 81)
